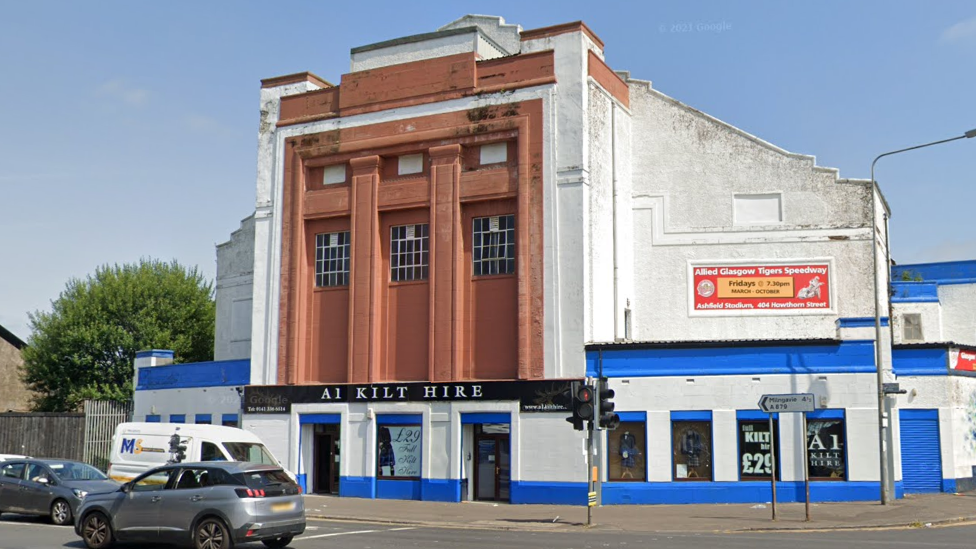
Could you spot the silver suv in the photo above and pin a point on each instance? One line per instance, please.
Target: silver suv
(210, 505)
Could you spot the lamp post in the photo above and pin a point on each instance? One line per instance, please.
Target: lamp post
(887, 485)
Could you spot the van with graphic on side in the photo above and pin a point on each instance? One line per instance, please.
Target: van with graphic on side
(138, 447)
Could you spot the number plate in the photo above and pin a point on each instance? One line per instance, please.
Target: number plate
(280, 507)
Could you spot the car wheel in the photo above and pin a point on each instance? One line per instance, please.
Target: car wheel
(96, 531)
(279, 543)
(212, 534)
(61, 512)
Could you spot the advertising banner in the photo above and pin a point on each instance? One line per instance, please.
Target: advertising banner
(966, 361)
(761, 288)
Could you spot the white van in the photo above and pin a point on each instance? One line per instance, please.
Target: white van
(138, 447)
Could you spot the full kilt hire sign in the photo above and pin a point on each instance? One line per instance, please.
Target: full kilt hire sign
(760, 288)
(533, 396)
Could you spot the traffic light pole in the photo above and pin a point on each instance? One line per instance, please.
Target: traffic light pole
(589, 472)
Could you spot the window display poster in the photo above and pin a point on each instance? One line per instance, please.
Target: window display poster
(755, 458)
(760, 288)
(692, 446)
(626, 451)
(398, 449)
(825, 449)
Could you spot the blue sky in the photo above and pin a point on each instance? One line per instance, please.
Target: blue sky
(130, 127)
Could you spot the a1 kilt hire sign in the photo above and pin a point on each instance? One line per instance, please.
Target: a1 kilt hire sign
(533, 396)
(760, 288)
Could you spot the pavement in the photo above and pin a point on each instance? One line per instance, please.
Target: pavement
(914, 511)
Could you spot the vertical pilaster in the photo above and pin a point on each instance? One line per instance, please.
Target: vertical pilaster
(446, 255)
(365, 262)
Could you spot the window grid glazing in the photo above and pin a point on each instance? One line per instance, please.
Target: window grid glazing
(332, 259)
(409, 250)
(493, 249)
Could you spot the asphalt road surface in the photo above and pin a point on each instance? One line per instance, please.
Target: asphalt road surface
(18, 532)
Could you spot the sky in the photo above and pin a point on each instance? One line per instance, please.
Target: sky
(130, 128)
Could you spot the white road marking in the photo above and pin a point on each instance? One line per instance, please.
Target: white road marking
(352, 533)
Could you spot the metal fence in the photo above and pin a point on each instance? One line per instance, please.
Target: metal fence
(40, 434)
(101, 419)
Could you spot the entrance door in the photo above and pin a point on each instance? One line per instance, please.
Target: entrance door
(326, 464)
(492, 468)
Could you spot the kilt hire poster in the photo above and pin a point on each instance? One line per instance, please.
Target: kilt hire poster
(761, 288)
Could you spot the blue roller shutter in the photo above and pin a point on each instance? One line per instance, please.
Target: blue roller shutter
(921, 457)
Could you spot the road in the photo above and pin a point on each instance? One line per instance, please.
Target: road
(30, 533)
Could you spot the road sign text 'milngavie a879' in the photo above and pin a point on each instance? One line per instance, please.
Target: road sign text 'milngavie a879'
(799, 402)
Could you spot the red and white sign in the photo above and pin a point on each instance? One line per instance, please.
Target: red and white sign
(760, 288)
(966, 361)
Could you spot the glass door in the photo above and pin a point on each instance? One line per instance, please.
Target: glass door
(493, 468)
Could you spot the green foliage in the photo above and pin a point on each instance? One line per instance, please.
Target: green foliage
(909, 276)
(84, 347)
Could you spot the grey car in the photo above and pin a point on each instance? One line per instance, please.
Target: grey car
(51, 487)
(210, 505)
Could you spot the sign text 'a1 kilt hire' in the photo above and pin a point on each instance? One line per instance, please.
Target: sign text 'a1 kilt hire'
(533, 396)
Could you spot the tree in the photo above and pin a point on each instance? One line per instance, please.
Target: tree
(85, 347)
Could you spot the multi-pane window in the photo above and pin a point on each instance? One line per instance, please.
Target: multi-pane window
(494, 245)
(332, 259)
(409, 249)
(912, 327)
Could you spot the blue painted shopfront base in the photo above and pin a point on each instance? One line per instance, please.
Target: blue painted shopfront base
(357, 487)
(398, 489)
(624, 493)
(676, 493)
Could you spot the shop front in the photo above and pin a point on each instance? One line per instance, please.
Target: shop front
(423, 441)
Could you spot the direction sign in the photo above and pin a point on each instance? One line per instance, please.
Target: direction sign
(799, 402)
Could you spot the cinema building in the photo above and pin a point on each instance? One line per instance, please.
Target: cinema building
(473, 217)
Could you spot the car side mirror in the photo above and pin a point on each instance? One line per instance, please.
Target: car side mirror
(126, 488)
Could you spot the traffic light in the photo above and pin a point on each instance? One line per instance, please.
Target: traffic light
(581, 396)
(176, 450)
(608, 419)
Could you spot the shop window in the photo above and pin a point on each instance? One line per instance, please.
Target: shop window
(409, 248)
(911, 327)
(627, 449)
(692, 449)
(398, 450)
(493, 251)
(332, 259)
(826, 459)
(755, 457)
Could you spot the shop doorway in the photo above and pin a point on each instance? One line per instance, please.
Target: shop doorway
(492, 466)
(326, 459)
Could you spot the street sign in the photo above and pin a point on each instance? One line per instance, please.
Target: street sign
(591, 499)
(799, 402)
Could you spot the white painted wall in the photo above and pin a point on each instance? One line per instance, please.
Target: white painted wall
(431, 48)
(199, 400)
(234, 293)
(687, 169)
(958, 320)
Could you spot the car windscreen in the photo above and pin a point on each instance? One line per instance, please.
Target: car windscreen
(69, 470)
(254, 452)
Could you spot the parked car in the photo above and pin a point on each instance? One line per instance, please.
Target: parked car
(209, 505)
(52, 487)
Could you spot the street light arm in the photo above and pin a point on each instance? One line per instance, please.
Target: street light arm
(884, 473)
